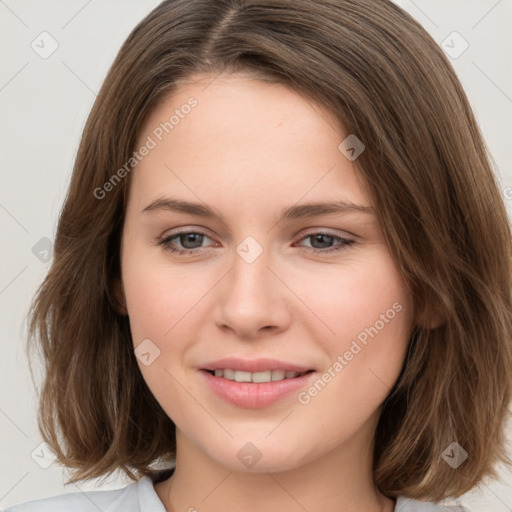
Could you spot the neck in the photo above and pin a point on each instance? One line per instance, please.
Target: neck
(338, 481)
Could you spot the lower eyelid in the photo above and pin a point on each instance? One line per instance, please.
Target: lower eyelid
(342, 242)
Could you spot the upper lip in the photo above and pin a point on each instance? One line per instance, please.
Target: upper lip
(254, 365)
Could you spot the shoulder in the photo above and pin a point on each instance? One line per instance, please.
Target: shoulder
(404, 504)
(125, 499)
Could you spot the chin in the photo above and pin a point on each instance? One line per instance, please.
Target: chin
(261, 458)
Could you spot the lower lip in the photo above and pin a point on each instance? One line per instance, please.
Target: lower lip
(254, 395)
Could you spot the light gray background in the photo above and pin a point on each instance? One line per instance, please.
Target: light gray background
(44, 104)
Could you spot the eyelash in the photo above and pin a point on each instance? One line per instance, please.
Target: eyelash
(166, 242)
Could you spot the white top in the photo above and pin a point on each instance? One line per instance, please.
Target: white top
(142, 497)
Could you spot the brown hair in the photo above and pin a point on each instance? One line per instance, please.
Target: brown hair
(426, 169)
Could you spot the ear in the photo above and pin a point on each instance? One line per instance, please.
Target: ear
(119, 297)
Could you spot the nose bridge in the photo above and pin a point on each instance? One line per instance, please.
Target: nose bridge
(250, 275)
(250, 296)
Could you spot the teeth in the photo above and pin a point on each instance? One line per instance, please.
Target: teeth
(278, 374)
(229, 374)
(261, 376)
(258, 377)
(243, 376)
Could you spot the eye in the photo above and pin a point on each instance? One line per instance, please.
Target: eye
(190, 241)
(322, 242)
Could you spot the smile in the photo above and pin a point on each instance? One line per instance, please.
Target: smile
(256, 377)
(255, 390)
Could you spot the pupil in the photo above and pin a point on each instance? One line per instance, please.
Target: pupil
(189, 237)
(319, 237)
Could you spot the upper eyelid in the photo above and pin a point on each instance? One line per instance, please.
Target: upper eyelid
(328, 231)
(181, 231)
(205, 231)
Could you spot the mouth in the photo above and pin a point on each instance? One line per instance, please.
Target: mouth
(257, 383)
(256, 377)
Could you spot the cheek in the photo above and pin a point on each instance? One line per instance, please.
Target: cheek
(368, 311)
(354, 299)
(158, 295)
(149, 309)
(157, 308)
(164, 303)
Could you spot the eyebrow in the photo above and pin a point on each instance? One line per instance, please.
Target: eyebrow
(300, 211)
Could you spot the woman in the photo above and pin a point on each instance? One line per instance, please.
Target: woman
(272, 272)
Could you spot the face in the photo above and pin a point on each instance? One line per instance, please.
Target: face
(255, 281)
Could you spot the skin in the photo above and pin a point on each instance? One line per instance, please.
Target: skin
(249, 149)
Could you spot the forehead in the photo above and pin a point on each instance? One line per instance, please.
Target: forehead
(232, 137)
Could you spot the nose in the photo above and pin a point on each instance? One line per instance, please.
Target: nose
(251, 301)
